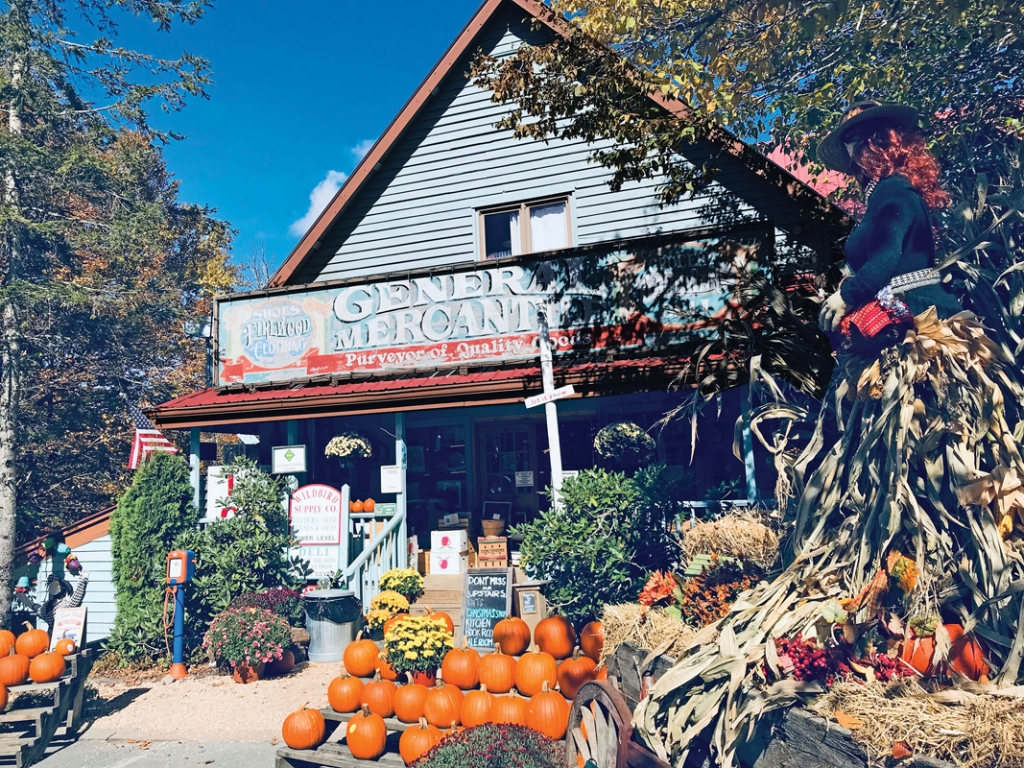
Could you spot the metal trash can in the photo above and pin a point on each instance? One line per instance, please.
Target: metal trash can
(330, 614)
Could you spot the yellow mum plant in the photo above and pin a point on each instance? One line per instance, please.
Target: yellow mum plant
(375, 619)
(405, 581)
(389, 601)
(417, 644)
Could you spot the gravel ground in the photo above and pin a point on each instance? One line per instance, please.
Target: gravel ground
(204, 708)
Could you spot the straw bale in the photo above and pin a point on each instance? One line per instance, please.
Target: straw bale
(646, 628)
(969, 730)
(738, 535)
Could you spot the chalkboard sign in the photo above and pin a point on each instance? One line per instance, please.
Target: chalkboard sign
(486, 600)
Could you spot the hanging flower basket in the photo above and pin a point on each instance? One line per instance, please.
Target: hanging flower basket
(347, 447)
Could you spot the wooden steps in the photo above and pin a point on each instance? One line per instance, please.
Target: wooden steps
(442, 593)
(27, 732)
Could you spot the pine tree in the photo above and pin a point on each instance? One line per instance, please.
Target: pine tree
(67, 99)
(155, 510)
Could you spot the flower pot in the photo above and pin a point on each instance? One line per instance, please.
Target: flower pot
(281, 666)
(425, 678)
(247, 673)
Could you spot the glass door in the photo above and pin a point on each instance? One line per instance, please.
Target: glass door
(508, 471)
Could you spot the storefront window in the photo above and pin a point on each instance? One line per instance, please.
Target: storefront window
(436, 474)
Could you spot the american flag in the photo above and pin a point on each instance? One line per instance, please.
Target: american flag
(148, 439)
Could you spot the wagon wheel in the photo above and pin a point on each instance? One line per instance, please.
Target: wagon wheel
(599, 728)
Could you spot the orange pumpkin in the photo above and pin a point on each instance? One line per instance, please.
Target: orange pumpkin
(14, 669)
(379, 696)
(602, 673)
(476, 707)
(6, 637)
(574, 672)
(384, 669)
(3, 697)
(66, 647)
(360, 657)
(46, 667)
(369, 505)
(443, 703)
(32, 642)
(533, 670)
(512, 635)
(409, 701)
(394, 620)
(344, 692)
(592, 639)
(366, 735)
(357, 507)
(556, 636)
(441, 616)
(510, 708)
(416, 742)
(497, 671)
(461, 666)
(304, 729)
(548, 713)
(966, 655)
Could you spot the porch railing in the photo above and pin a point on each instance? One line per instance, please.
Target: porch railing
(385, 550)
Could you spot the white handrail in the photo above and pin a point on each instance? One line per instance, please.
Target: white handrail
(363, 574)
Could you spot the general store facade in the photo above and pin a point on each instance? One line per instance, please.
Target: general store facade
(411, 310)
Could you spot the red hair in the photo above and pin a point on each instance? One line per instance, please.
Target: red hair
(902, 150)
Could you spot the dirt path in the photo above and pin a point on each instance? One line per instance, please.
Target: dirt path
(206, 708)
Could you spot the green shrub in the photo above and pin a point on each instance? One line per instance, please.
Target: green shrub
(155, 510)
(596, 548)
(281, 601)
(495, 746)
(244, 553)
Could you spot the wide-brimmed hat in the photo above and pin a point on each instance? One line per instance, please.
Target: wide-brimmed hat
(832, 152)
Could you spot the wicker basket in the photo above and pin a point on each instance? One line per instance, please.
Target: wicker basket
(493, 527)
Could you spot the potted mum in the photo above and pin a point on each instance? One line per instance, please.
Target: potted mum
(347, 447)
(417, 644)
(384, 606)
(246, 639)
(405, 581)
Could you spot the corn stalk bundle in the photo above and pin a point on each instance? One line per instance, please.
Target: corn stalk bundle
(926, 464)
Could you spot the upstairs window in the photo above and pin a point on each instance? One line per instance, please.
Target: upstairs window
(525, 228)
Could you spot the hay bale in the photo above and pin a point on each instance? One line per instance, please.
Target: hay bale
(738, 535)
(967, 729)
(646, 628)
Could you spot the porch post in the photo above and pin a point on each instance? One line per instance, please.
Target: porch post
(547, 375)
(401, 459)
(193, 468)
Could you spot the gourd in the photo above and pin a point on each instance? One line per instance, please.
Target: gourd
(592, 639)
(574, 672)
(512, 635)
(416, 742)
(556, 636)
(369, 505)
(14, 669)
(461, 667)
(533, 670)
(548, 713)
(476, 707)
(379, 696)
(66, 647)
(357, 507)
(443, 703)
(497, 671)
(409, 701)
(966, 655)
(343, 693)
(304, 729)
(360, 657)
(509, 708)
(31, 642)
(366, 735)
(46, 667)
(385, 670)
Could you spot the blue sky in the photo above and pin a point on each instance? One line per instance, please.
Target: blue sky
(302, 88)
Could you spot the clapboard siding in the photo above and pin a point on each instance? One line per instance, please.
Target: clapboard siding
(99, 595)
(418, 209)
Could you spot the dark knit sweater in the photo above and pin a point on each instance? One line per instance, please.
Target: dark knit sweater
(894, 238)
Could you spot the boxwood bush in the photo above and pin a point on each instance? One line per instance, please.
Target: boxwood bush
(495, 746)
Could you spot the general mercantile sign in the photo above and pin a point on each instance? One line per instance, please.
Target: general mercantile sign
(482, 313)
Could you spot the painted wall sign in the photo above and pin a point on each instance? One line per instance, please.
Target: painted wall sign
(316, 515)
(476, 315)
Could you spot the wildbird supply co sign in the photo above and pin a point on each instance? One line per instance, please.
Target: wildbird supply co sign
(480, 314)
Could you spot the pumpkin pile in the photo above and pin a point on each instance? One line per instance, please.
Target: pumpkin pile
(529, 680)
(26, 657)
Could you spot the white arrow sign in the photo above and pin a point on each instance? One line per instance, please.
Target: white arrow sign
(547, 397)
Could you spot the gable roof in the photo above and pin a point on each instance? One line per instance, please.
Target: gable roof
(732, 145)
